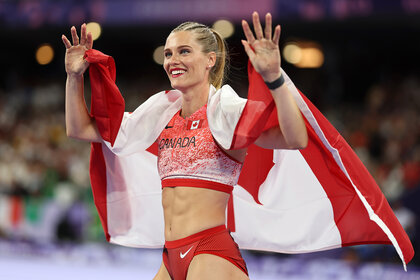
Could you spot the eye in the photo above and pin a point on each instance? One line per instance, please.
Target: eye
(167, 54)
(184, 51)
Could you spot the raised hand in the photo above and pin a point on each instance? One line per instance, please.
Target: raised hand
(263, 49)
(74, 61)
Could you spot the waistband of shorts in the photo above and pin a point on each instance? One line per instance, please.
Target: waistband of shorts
(195, 237)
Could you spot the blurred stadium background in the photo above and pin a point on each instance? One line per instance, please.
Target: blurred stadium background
(357, 60)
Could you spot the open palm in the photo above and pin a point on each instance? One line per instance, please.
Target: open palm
(263, 49)
(74, 59)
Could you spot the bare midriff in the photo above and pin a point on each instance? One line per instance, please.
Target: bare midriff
(188, 210)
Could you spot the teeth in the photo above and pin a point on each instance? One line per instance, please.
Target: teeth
(176, 72)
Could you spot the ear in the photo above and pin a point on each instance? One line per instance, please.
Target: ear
(211, 59)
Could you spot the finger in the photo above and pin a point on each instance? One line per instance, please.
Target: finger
(276, 36)
(74, 36)
(257, 25)
(248, 50)
(66, 42)
(89, 42)
(248, 33)
(268, 22)
(83, 34)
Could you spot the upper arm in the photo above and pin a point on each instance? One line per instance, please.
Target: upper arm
(87, 133)
(272, 139)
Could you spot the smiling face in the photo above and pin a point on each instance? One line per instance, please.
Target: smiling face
(185, 63)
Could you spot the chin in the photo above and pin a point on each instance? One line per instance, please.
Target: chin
(175, 86)
(178, 86)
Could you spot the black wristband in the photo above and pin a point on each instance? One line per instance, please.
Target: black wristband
(276, 83)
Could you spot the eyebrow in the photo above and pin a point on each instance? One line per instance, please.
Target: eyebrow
(180, 47)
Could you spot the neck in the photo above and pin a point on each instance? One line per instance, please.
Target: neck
(194, 99)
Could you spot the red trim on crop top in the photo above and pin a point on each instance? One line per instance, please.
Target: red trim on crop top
(196, 183)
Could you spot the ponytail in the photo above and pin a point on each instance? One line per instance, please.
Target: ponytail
(217, 73)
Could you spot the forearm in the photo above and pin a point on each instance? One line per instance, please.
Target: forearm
(291, 122)
(79, 124)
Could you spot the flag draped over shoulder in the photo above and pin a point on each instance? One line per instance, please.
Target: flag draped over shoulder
(290, 201)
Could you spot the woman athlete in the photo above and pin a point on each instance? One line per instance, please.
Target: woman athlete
(197, 245)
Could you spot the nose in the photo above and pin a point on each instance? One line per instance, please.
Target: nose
(173, 60)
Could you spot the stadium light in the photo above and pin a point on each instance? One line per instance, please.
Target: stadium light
(292, 53)
(158, 55)
(304, 54)
(95, 29)
(44, 54)
(224, 27)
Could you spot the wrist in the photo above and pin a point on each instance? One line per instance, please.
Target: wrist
(275, 83)
(272, 74)
(75, 75)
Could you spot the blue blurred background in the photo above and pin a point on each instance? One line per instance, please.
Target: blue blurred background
(357, 60)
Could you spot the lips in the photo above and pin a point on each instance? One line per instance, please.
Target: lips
(176, 72)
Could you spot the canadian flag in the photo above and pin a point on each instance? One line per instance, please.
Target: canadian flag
(290, 201)
(194, 124)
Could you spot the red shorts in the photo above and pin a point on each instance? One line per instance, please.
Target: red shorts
(177, 254)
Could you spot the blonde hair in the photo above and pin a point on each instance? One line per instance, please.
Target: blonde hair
(211, 41)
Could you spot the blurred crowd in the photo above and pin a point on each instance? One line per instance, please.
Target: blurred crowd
(44, 181)
(384, 131)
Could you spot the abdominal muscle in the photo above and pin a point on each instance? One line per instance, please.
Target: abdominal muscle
(188, 210)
